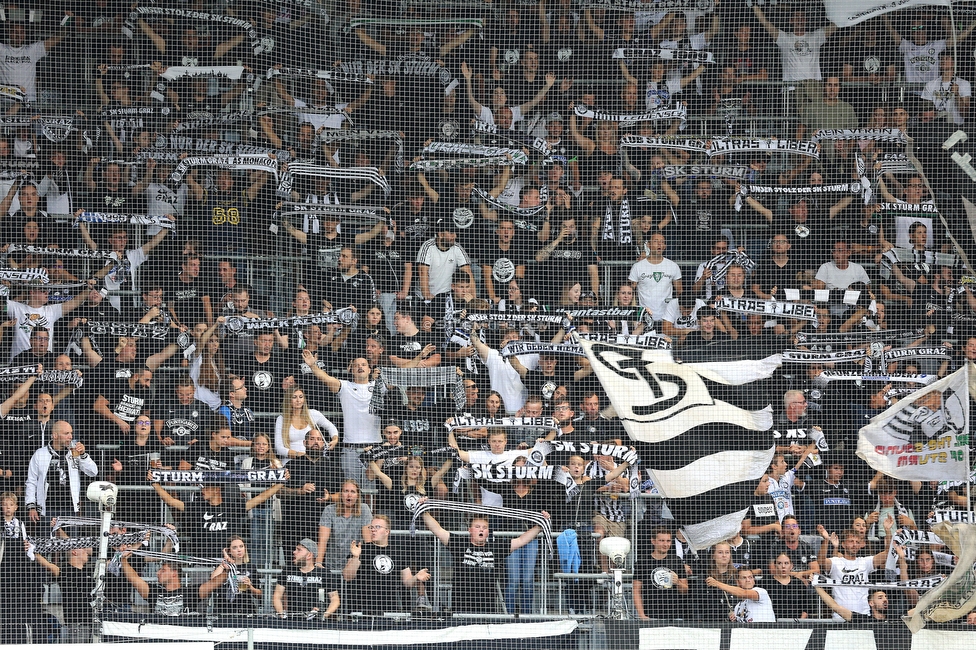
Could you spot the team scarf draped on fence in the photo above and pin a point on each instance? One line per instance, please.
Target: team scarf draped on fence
(480, 510)
(956, 597)
(403, 378)
(679, 113)
(330, 136)
(512, 209)
(239, 325)
(642, 5)
(214, 477)
(161, 221)
(168, 533)
(923, 437)
(370, 174)
(702, 430)
(927, 582)
(258, 45)
(254, 162)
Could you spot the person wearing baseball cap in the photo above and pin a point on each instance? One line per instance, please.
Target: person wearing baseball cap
(298, 592)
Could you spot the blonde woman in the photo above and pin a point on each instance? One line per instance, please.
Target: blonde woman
(237, 563)
(295, 421)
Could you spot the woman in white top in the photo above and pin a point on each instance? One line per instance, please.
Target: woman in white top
(207, 365)
(295, 421)
(756, 607)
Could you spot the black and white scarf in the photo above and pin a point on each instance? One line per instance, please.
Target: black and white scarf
(413, 65)
(462, 148)
(48, 545)
(133, 330)
(477, 509)
(800, 311)
(258, 45)
(370, 174)
(804, 356)
(641, 5)
(664, 53)
(403, 378)
(878, 135)
(817, 580)
(859, 337)
(202, 120)
(24, 275)
(60, 377)
(621, 233)
(679, 113)
(168, 533)
(328, 75)
(161, 221)
(647, 341)
(171, 148)
(855, 375)
(505, 207)
(516, 348)
(84, 253)
(257, 162)
(455, 163)
(218, 477)
(330, 136)
(239, 325)
(719, 265)
(733, 172)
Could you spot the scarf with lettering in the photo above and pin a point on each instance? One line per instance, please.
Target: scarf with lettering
(258, 44)
(47, 545)
(878, 135)
(413, 65)
(328, 75)
(522, 212)
(462, 148)
(171, 149)
(817, 580)
(201, 120)
(733, 172)
(855, 375)
(800, 311)
(641, 5)
(254, 162)
(239, 325)
(403, 378)
(665, 54)
(135, 219)
(859, 337)
(455, 163)
(679, 113)
(621, 233)
(85, 253)
(218, 477)
(370, 174)
(133, 330)
(516, 348)
(24, 275)
(647, 341)
(801, 191)
(481, 510)
(803, 356)
(330, 136)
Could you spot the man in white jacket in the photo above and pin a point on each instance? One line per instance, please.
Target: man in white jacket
(53, 477)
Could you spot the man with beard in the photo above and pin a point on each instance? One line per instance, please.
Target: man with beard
(189, 302)
(437, 260)
(504, 260)
(347, 286)
(311, 479)
(854, 570)
(410, 342)
(181, 418)
(299, 591)
(569, 258)
(264, 371)
(611, 232)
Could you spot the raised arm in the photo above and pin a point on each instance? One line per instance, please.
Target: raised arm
(330, 382)
(141, 586)
(768, 26)
(438, 530)
(475, 105)
(539, 96)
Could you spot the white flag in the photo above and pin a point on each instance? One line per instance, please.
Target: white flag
(845, 13)
(925, 435)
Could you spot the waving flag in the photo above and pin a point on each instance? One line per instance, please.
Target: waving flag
(703, 428)
(845, 13)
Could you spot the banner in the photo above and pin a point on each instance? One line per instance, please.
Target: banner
(517, 348)
(797, 310)
(721, 146)
(686, 414)
(845, 13)
(664, 53)
(209, 477)
(240, 325)
(733, 172)
(924, 437)
(955, 597)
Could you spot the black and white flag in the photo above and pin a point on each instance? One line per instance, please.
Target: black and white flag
(704, 429)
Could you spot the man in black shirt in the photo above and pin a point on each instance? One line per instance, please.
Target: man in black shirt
(124, 394)
(375, 569)
(299, 591)
(166, 596)
(877, 601)
(660, 582)
(265, 373)
(347, 286)
(312, 478)
(187, 295)
(410, 342)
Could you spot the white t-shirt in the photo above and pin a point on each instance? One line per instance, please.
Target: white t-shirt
(781, 491)
(488, 117)
(27, 319)
(921, 61)
(18, 66)
(161, 199)
(359, 426)
(801, 54)
(442, 265)
(660, 94)
(835, 278)
(940, 93)
(756, 611)
(854, 571)
(655, 284)
(506, 380)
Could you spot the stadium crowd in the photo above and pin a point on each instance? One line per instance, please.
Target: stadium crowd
(283, 238)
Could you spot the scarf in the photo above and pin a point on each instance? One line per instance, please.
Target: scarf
(133, 330)
(84, 253)
(646, 341)
(879, 135)
(719, 265)
(208, 121)
(329, 136)
(817, 580)
(803, 356)
(240, 415)
(455, 148)
(175, 72)
(258, 162)
(800, 311)
(403, 378)
(13, 94)
(522, 317)
(641, 5)
(239, 325)
(47, 545)
(414, 65)
(535, 518)
(516, 348)
(370, 174)
(169, 533)
(523, 212)
(679, 113)
(734, 172)
(328, 75)
(908, 207)
(721, 146)
(857, 337)
(405, 23)
(853, 375)
(258, 44)
(664, 53)
(621, 235)
(208, 477)
(135, 219)
(171, 148)
(24, 275)
(454, 163)
(17, 373)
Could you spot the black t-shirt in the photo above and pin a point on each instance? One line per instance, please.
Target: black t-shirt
(172, 603)
(138, 505)
(76, 585)
(475, 571)
(202, 457)
(205, 528)
(326, 250)
(377, 584)
(302, 589)
(408, 347)
(242, 603)
(769, 274)
(789, 600)
(424, 426)
(264, 390)
(186, 300)
(184, 422)
(125, 401)
(386, 264)
(660, 602)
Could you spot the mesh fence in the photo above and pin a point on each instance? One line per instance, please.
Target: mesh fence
(579, 323)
